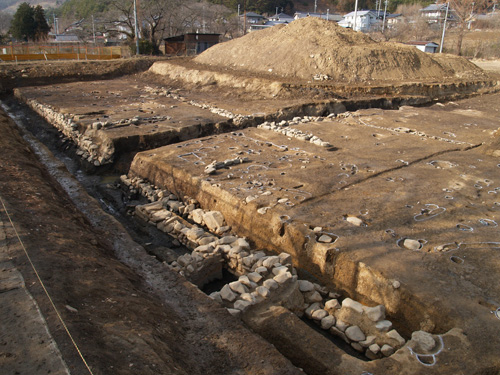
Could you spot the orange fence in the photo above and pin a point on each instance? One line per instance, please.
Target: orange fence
(25, 52)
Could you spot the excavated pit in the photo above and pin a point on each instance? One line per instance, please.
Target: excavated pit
(377, 208)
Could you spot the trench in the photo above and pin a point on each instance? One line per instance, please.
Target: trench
(124, 201)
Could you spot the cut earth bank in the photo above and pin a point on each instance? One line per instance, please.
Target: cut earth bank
(387, 207)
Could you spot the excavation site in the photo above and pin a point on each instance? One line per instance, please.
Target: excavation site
(300, 200)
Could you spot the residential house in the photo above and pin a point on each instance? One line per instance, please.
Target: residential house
(435, 13)
(365, 20)
(326, 16)
(252, 17)
(425, 46)
(281, 18)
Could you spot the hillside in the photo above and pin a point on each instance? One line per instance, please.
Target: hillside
(10, 6)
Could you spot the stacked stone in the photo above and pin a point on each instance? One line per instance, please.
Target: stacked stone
(364, 328)
(213, 166)
(262, 275)
(282, 127)
(93, 153)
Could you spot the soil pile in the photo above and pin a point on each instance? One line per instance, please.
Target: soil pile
(312, 47)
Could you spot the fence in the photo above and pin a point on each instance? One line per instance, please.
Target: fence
(26, 52)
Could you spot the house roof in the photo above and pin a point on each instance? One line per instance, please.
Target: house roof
(433, 8)
(252, 14)
(180, 38)
(360, 13)
(422, 43)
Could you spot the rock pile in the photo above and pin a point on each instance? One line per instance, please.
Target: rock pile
(322, 50)
(95, 152)
(283, 128)
(262, 276)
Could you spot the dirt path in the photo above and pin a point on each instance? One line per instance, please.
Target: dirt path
(118, 324)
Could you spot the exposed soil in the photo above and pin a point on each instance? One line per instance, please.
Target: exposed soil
(311, 46)
(118, 324)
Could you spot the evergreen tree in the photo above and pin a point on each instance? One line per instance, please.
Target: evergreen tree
(23, 23)
(42, 28)
(29, 23)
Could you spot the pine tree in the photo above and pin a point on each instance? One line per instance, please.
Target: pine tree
(23, 23)
(42, 28)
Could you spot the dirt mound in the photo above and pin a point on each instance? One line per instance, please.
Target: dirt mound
(313, 47)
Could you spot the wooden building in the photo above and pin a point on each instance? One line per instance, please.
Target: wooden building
(190, 43)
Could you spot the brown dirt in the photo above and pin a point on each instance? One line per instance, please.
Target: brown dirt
(51, 72)
(313, 46)
(119, 325)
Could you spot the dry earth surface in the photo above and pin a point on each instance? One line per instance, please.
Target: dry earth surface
(130, 314)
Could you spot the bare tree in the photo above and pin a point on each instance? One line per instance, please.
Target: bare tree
(464, 11)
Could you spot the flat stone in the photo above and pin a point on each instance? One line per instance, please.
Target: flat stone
(263, 291)
(374, 348)
(306, 286)
(262, 270)
(341, 325)
(387, 350)
(354, 220)
(336, 332)
(375, 314)
(227, 294)
(355, 333)
(285, 258)
(353, 305)
(411, 244)
(197, 215)
(254, 277)
(332, 305)
(245, 281)
(383, 325)
(234, 312)
(238, 287)
(216, 296)
(328, 322)
(271, 284)
(325, 239)
(423, 340)
(396, 336)
(213, 220)
(282, 277)
(370, 340)
(248, 297)
(311, 309)
(270, 261)
(242, 305)
(319, 314)
(312, 297)
(279, 270)
(241, 242)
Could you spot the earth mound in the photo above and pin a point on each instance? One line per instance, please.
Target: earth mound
(312, 47)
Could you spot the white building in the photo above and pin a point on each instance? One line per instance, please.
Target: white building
(365, 20)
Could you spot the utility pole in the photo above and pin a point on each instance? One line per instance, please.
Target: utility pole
(315, 5)
(328, 14)
(136, 29)
(385, 12)
(444, 28)
(355, 15)
(245, 17)
(93, 28)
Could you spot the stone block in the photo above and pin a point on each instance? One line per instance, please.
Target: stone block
(306, 286)
(394, 335)
(255, 277)
(270, 261)
(354, 333)
(375, 314)
(263, 291)
(332, 305)
(311, 309)
(387, 350)
(383, 326)
(319, 314)
(328, 322)
(238, 287)
(312, 297)
(271, 284)
(348, 303)
(213, 220)
(422, 342)
(242, 305)
(227, 294)
(282, 277)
